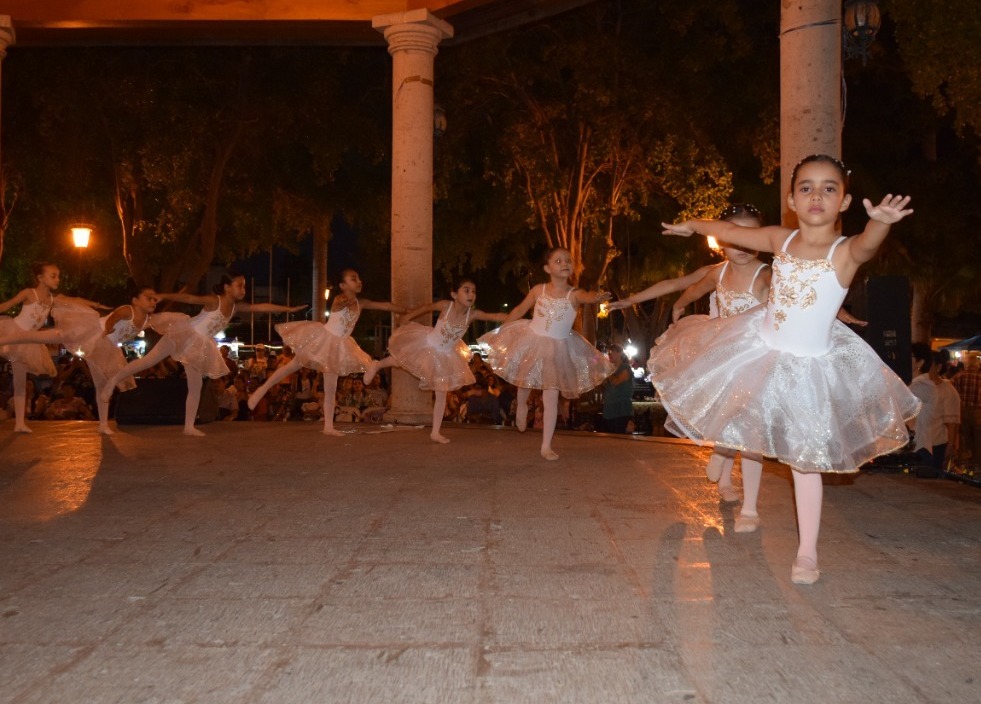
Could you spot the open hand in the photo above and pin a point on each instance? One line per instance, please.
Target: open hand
(619, 305)
(682, 229)
(891, 210)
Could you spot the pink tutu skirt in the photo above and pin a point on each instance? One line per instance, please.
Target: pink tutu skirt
(437, 368)
(192, 349)
(720, 382)
(319, 349)
(81, 334)
(34, 356)
(532, 361)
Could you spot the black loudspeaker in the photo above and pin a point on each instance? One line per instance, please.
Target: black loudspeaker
(161, 402)
(888, 332)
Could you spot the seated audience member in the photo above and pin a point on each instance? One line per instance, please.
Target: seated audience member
(68, 406)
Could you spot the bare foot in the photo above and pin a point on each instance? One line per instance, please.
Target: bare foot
(370, 372)
(105, 429)
(22, 429)
(193, 432)
(550, 455)
(333, 432)
(436, 437)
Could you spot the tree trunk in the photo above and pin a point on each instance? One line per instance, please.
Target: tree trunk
(921, 317)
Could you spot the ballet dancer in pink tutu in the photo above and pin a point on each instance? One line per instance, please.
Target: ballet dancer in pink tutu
(191, 341)
(328, 347)
(437, 356)
(787, 380)
(80, 330)
(544, 352)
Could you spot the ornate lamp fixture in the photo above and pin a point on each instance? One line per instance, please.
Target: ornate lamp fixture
(860, 24)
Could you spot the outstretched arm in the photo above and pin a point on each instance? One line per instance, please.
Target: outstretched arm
(760, 239)
(493, 317)
(381, 305)
(61, 298)
(433, 307)
(662, 288)
(189, 298)
(522, 308)
(267, 308)
(19, 298)
(691, 294)
(591, 297)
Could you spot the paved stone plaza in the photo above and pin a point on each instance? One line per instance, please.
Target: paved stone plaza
(268, 563)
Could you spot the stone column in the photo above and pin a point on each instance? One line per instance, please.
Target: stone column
(7, 37)
(810, 86)
(412, 39)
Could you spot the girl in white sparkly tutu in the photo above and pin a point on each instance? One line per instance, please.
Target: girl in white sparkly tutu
(328, 347)
(544, 352)
(437, 356)
(29, 356)
(739, 283)
(81, 331)
(191, 341)
(787, 380)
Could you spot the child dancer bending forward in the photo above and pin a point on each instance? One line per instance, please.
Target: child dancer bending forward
(82, 332)
(327, 347)
(191, 341)
(739, 283)
(544, 352)
(437, 355)
(787, 380)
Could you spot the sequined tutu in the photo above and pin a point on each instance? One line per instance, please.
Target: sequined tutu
(33, 355)
(522, 357)
(192, 349)
(719, 381)
(438, 368)
(82, 334)
(317, 348)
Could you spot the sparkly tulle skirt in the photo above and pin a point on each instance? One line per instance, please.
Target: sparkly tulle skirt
(317, 348)
(33, 355)
(720, 382)
(532, 361)
(82, 335)
(437, 368)
(192, 349)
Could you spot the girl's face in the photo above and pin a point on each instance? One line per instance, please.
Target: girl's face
(146, 301)
(351, 283)
(559, 265)
(236, 289)
(49, 278)
(466, 295)
(818, 196)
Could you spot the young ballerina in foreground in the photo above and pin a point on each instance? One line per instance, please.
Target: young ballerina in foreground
(544, 352)
(191, 341)
(328, 347)
(30, 355)
(437, 355)
(81, 331)
(739, 283)
(787, 380)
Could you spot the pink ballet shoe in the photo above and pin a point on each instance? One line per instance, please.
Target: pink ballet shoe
(521, 421)
(193, 432)
(728, 494)
(370, 372)
(436, 437)
(105, 429)
(804, 571)
(550, 455)
(746, 524)
(22, 429)
(713, 470)
(332, 432)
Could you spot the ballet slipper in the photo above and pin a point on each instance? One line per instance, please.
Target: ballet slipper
(728, 494)
(746, 524)
(521, 421)
(550, 455)
(105, 429)
(332, 432)
(804, 571)
(713, 470)
(22, 429)
(370, 372)
(193, 432)
(436, 437)
(252, 402)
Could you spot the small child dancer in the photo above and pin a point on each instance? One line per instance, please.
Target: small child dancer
(739, 283)
(191, 341)
(437, 356)
(81, 331)
(787, 380)
(544, 352)
(328, 347)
